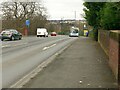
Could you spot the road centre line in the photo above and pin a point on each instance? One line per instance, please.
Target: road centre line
(45, 48)
(6, 46)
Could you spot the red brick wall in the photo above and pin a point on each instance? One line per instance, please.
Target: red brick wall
(113, 56)
(110, 42)
(103, 39)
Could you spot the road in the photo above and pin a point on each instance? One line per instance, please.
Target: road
(21, 56)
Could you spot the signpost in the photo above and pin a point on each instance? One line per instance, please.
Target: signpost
(27, 24)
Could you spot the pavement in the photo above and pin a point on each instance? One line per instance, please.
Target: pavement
(82, 65)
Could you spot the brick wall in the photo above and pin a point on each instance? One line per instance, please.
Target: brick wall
(114, 52)
(103, 39)
(110, 42)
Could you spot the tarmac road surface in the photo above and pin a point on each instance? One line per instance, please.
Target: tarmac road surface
(22, 56)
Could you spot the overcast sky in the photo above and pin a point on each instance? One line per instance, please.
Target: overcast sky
(64, 9)
(61, 9)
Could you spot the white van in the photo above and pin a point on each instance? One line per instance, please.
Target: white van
(42, 32)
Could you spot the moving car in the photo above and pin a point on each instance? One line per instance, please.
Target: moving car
(53, 33)
(42, 32)
(11, 34)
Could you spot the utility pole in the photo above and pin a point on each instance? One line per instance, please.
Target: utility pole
(75, 15)
(75, 19)
(61, 23)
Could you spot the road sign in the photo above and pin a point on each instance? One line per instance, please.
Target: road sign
(27, 22)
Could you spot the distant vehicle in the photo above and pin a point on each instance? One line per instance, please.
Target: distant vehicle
(74, 32)
(53, 33)
(42, 32)
(11, 34)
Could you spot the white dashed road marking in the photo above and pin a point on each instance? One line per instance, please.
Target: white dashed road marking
(45, 48)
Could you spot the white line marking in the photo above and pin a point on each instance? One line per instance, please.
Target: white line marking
(45, 48)
(6, 46)
(53, 45)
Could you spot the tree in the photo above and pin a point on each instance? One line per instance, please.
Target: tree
(110, 16)
(93, 15)
(16, 13)
(103, 15)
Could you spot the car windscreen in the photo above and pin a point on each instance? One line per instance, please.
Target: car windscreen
(5, 32)
(75, 31)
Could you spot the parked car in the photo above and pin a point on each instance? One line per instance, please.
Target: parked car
(11, 34)
(53, 33)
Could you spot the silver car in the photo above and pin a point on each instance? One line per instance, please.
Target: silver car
(11, 34)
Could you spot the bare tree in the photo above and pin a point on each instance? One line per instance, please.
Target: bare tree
(16, 13)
